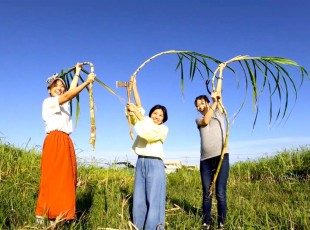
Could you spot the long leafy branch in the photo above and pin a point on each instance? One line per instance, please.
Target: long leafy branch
(273, 70)
(67, 75)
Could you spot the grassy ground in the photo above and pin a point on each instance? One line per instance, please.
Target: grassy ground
(270, 193)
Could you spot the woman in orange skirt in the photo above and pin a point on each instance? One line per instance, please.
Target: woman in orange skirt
(57, 190)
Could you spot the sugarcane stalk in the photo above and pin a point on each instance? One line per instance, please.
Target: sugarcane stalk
(128, 88)
(66, 74)
(224, 147)
(219, 71)
(155, 56)
(92, 139)
(260, 64)
(189, 55)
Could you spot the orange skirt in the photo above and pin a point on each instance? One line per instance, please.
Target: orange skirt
(57, 190)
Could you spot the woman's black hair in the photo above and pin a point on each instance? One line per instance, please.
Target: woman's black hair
(163, 108)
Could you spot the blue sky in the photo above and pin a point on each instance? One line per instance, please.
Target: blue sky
(40, 38)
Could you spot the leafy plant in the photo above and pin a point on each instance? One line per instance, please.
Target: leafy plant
(275, 77)
(67, 75)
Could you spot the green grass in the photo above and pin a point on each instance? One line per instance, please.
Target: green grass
(269, 193)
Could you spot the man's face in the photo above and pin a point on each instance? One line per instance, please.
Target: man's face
(202, 106)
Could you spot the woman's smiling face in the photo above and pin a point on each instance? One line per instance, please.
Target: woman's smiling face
(57, 88)
(157, 116)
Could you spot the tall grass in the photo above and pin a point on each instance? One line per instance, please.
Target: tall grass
(269, 193)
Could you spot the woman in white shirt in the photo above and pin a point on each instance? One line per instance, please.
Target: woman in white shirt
(149, 197)
(57, 190)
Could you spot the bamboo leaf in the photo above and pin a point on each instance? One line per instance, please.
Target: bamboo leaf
(267, 69)
(180, 65)
(256, 115)
(283, 74)
(208, 70)
(271, 92)
(286, 96)
(103, 85)
(109, 89)
(194, 69)
(270, 103)
(288, 77)
(257, 66)
(253, 81)
(191, 68)
(246, 90)
(182, 78)
(77, 110)
(189, 57)
(180, 61)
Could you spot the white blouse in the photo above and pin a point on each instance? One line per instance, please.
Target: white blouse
(55, 116)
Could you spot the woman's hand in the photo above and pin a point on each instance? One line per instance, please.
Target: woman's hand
(78, 68)
(215, 96)
(133, 83)
(91, 77)
(133, 79)
(131, 107)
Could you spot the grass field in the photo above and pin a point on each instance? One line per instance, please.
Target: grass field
(270, 193)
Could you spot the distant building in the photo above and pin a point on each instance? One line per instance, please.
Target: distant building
(172, 165)
(191, 167)
(124, 164)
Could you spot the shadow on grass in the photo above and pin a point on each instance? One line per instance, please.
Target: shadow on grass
(129, 197)
(187, 207)
(84, 204)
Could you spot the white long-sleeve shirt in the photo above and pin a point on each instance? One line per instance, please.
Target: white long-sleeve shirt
(150, 138)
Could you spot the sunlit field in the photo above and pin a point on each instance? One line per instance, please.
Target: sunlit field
(269, 193)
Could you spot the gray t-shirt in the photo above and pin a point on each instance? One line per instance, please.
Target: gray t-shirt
(212, 136)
